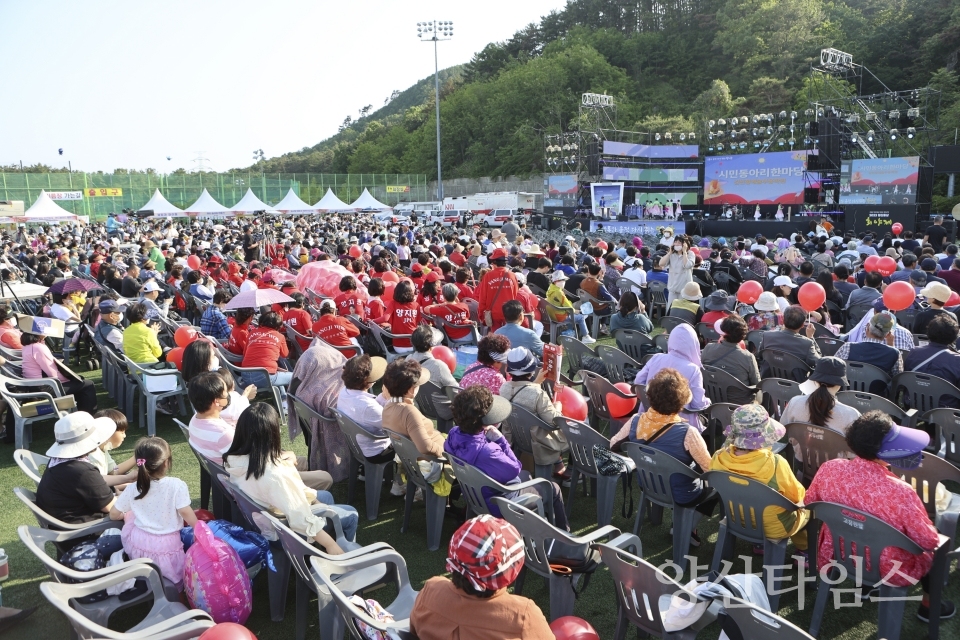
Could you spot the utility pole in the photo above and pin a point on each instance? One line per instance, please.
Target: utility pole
(433, 31)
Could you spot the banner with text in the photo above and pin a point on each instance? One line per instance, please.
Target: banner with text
(398, 188)
(879, 219)
(611, 148)
(65, 195)
(756, 178)
(637, 227)
(606, 196)
(651, 175)
(111, 192)
(880, 181)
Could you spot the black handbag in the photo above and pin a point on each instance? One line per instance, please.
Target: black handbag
(609, 464)
(573, 560)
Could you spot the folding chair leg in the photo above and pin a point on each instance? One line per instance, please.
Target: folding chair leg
(277, 581)
(331, 622)
(774, 554)
(543, 471)
(373, 485)
(408, 506)
(606, 494)
(656, 514)
(562, 597)
(893, 602)
(152, 415)
(642, 504)
(205, 486)
(303, 603)
(724, 548)
(574, 481)
(352, 479)
(823, 594)
(436, 506)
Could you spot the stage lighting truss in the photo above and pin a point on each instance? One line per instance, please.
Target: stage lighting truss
(894, 115)
(668, 136)
(911, 132)
(894, 134)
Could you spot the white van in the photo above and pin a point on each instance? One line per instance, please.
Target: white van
(445, 218)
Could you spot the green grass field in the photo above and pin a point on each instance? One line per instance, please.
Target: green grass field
(597, 604)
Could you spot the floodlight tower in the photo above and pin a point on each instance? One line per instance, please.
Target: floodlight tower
(434, 31)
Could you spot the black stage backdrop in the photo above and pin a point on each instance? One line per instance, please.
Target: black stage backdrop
(878, 219)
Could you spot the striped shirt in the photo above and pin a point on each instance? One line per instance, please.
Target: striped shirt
(211, 437)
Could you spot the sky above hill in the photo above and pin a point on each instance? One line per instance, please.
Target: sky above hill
(129, 84)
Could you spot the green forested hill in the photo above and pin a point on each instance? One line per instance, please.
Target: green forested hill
(669, 63)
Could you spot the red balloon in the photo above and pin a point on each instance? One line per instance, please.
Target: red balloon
(870, 264)
(203, 514)
(811, 296)
(175, 356)
(574, 405)
(185, 335)
(390, 276)
(602, 244)
(886, 266)
(749, 292)
(572, 628)
(355, 251)
(445, 355)
(193, 262)
(899, 295)
(897, 228)
(230, 631)
(620, 407)
(953, 300)
(388, 288)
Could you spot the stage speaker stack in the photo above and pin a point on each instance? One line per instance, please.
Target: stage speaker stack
(828, 137)
(593, 158)
(811, 195)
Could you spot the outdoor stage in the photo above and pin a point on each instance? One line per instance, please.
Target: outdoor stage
(748, 228)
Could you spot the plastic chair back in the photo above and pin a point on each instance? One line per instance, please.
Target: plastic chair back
(856, 313)
(755, 342)
(478, 487)
(817, 445)
(933, 470)
(828, 346)
(44, 519)
(706, 331)
(717, 384)
(868, 378)
(581, 439)
(351, 430)
(655, 468)
(617, 363)
(631, 342)
(777, 392)
(573, 352)
(597, 388)
(922, 391)
(669, 323)
(744, 501)
(379, 333)
(863, 402)
(754, 622)
(407, 451)
(948, 425)
(30, 463)
(785, 365)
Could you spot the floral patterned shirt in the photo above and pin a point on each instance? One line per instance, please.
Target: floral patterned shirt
(869, 487)
(480, 373)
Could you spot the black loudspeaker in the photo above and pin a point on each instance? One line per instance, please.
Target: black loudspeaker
(813, 163)
(593, 158)
(829, 143)
(621, 218)
(811, 195)
(814, 128)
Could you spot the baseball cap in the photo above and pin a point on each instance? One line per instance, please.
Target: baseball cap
(936, 291)
(498, 254)
(328, 303)
(108, 305)
(151, 285)
(883, 322)
(433, 276)
(784, 281)
(487, 551)
(417, 268)
(928, 264)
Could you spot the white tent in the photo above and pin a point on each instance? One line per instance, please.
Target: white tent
(45, 209)
(250, 203)
(292, 204)
(160, 207)
(367, 202)
(207, 207)
(330, 202)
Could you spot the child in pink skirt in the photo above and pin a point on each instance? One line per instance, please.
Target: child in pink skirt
(154, 510)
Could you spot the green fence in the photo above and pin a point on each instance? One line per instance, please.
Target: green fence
(226, 188)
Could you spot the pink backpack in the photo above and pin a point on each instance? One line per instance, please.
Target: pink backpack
(214, 578)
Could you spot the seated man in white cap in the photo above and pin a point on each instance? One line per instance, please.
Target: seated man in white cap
(148, 296)
(71, 488)
(937, 295)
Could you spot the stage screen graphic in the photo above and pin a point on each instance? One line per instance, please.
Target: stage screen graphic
(880, 181)
(606, 195)
(611, 148)
(756, 178)
(685, 199)
(651, 175)
(562, 186)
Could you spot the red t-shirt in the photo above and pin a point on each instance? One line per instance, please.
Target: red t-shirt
(457, 258)
(10, 337)
(403, 318)
(264, 349)
(238, 339)
(426, 301)
(336, 331)
(301, 322)
(374, 307)
(454, 313)
(349, 299)
(466, 291)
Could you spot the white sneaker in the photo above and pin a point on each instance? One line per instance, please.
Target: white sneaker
(587, 340)
(397, 489)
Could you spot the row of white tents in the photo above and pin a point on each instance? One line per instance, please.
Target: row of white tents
(46, 209)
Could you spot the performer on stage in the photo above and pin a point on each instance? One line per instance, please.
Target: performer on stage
(756, 214)
(677, 212)
(779, 214)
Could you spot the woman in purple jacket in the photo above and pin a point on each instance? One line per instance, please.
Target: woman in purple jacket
(477, 442)
(683, 354)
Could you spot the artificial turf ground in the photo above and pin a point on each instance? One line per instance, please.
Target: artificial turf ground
(597, 604)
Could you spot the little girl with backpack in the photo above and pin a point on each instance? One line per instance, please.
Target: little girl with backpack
(154, 510)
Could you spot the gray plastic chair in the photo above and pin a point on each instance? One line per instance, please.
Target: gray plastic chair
(149, 399)
(475, 483)
(24, 426)
(373, 473)
(785, 365)
(617, 362)
(472, 337)
(400, 608)
(817, 445)
(744, 501)
(379, 333)
(30, 463)
(261, 378)
(573, 353)
(657, 291)
(851, 528)
(855, 314)
(166, 620)
(538, 537)
(582, 439)
(868, 378)
(521, 422)
(210, 484)
(596, 318)
(669, 323)
(706, 331)
(632, 342)
(125, 385)
(654, 470)
(662, 340)
(719, 416)
(598, 388)
(921, 391)
(948, 426)
(435, 505)
(639, 585)
(828, 346)
(717, 384)
(755, 342)
(555, 326)
(777, 392)
(36, 540)
(863, 402)
(754, 622)
(424, 401)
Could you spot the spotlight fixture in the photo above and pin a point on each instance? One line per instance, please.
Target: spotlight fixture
(657, 137)
(911, 132)
(853, 138)
(692, 136)
(720, 147)
(743, 145)
(769, 131)
(721, 122)
(894, 134)
(753, 132)
(894, 115)
(712, 124)
(783, 115)
(913, 112)
(792, 141)
(793, 115)
(820, 112)
(781, 142)
(710, 136)
(871, 116)
(756, 144)
(683, 137)
(755, 119)
(870, 135)
(808, 113)
(668, 136)
(734, 122)
(743, 133)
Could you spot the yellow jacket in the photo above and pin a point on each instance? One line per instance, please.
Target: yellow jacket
(140, 343)
(557, 297)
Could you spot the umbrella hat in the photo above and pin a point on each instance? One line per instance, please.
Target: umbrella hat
(72, 285)
(258, 298)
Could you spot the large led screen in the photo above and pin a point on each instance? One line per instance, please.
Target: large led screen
(880, 181)
(756, 178)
